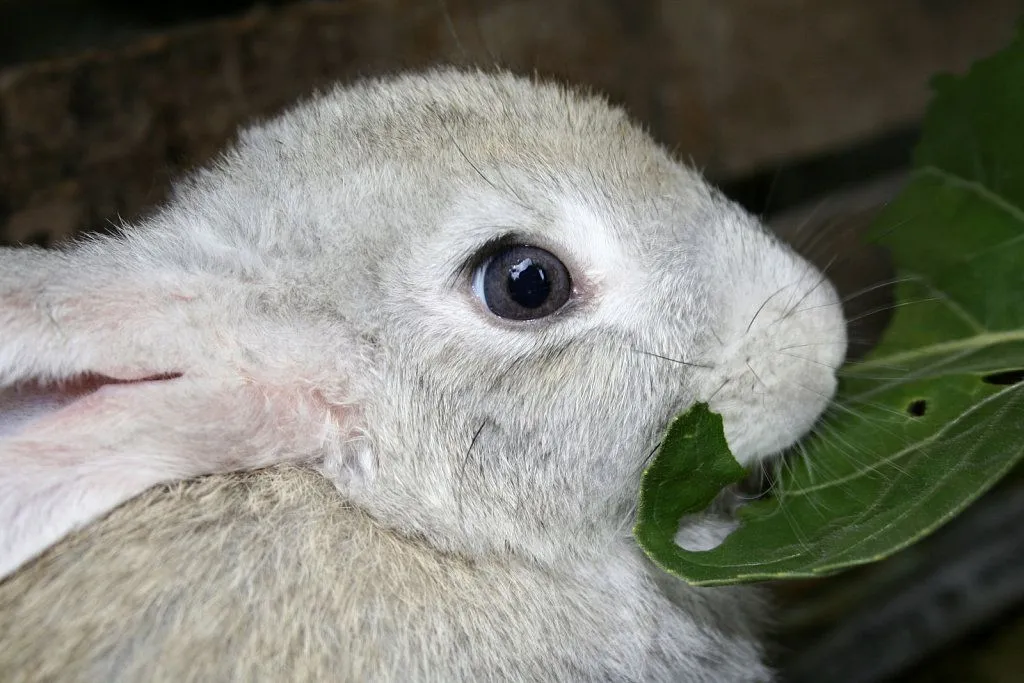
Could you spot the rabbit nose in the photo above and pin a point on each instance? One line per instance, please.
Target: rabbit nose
(777, 373)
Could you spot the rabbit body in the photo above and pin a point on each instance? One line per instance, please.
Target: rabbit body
(269, 576)
(451, 489)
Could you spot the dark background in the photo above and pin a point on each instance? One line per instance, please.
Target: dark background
(805, 111)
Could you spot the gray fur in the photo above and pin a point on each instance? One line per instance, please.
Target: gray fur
(309, 289)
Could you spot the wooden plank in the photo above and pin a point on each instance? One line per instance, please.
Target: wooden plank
(733, 84)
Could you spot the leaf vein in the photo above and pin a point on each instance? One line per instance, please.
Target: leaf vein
(975, 342)
(903, 451)
(977, 188)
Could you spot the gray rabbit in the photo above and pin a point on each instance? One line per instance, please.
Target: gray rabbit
(448, 317)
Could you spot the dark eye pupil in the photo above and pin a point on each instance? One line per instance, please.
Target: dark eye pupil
(528, 284)
(523, 283)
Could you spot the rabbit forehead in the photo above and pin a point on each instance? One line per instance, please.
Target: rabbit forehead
(438, 128)
(365, 170)
(415, 112)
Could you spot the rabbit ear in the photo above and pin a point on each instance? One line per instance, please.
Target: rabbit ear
(112, 382)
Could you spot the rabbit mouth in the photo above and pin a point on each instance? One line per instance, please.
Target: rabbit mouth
(764, 474)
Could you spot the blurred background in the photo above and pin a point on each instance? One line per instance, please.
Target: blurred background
(804, 111)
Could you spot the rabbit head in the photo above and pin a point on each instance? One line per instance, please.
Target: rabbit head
(473, 301)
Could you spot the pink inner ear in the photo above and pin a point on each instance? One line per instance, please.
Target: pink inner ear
(82, 446)
(23, 404)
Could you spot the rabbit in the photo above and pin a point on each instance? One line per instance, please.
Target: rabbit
(369, 399)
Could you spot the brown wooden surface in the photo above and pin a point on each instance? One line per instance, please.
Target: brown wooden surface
(734, 84)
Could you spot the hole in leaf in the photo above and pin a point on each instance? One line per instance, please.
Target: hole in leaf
(1005, 379)
(918, 408)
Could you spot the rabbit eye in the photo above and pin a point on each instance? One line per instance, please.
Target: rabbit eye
(522, 283)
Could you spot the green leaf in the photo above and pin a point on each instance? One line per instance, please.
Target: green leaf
(692, 437)
(934, 417)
